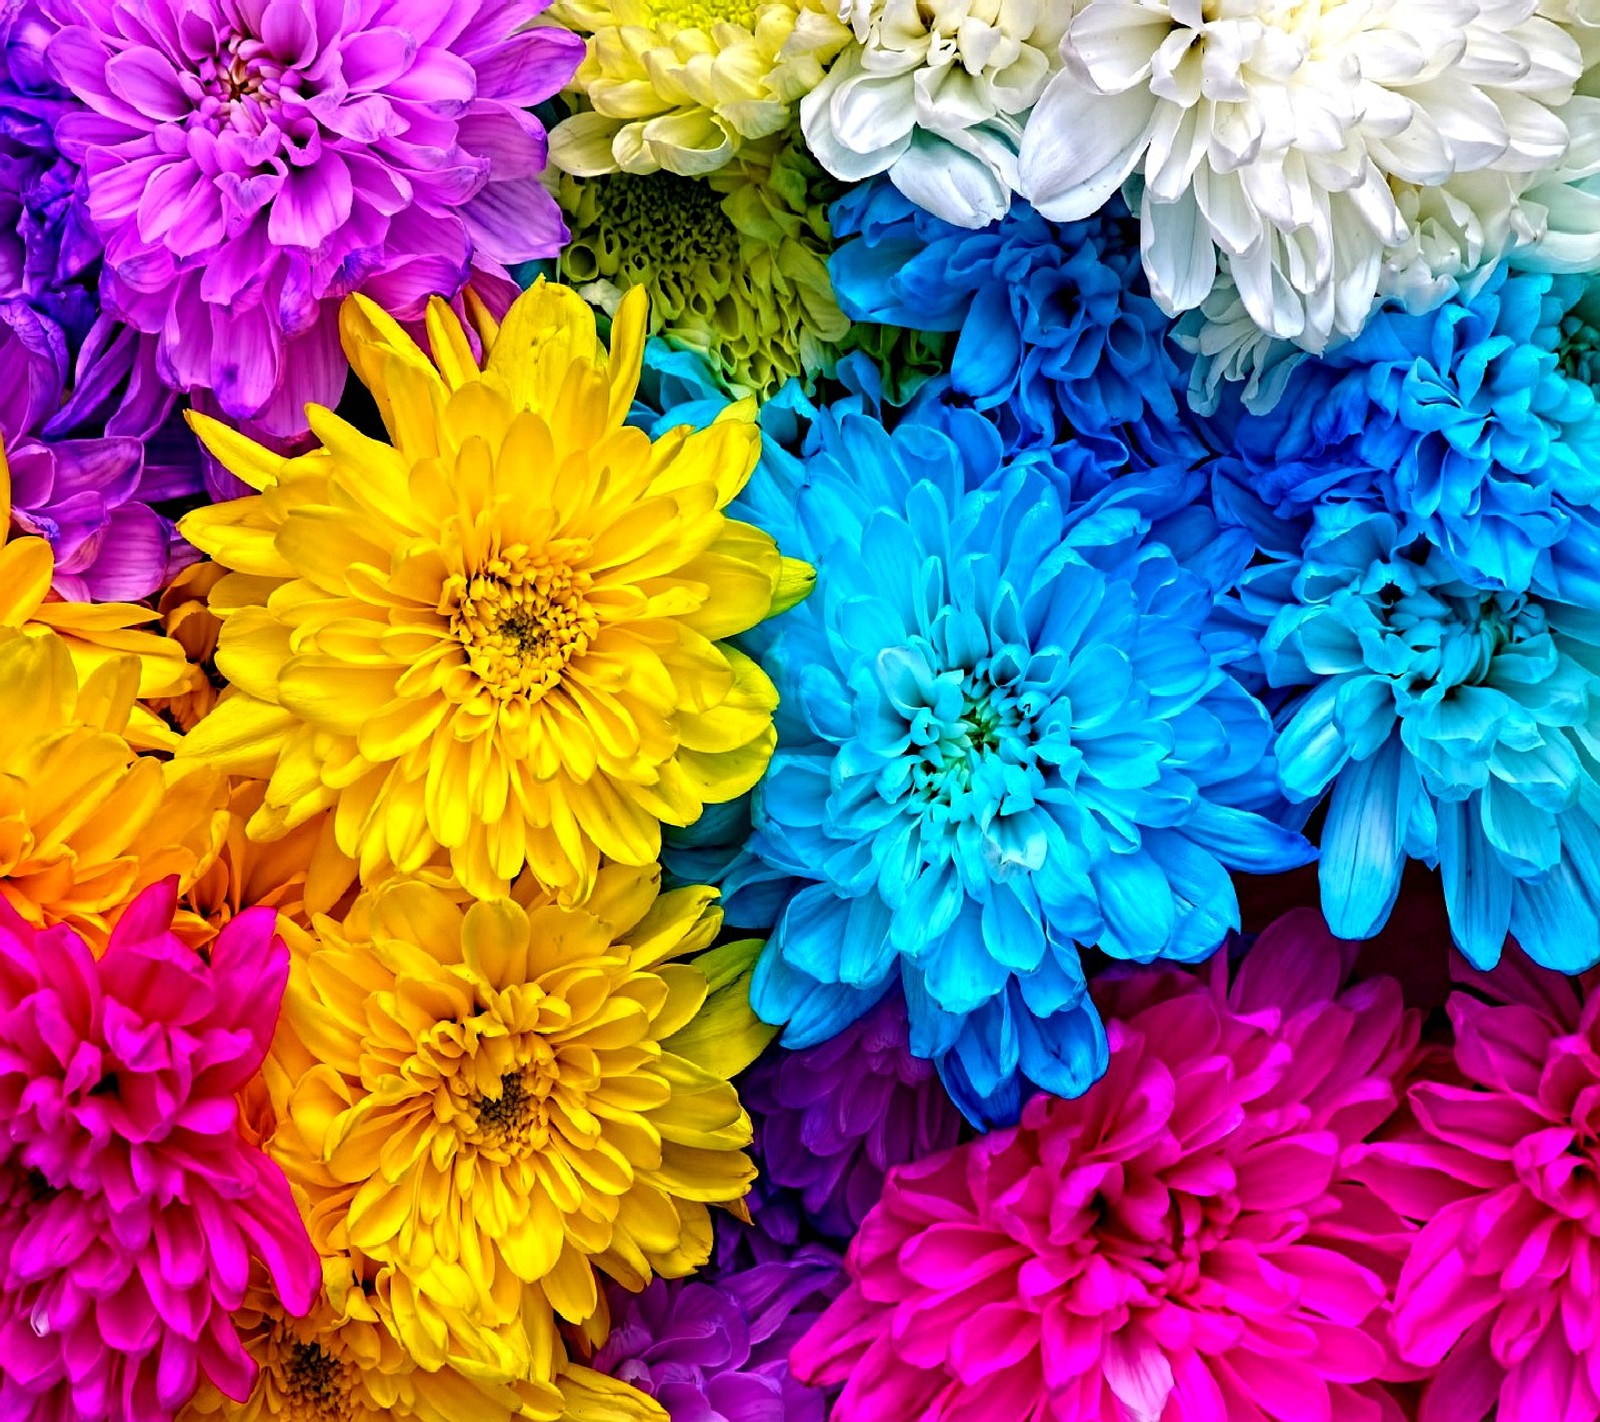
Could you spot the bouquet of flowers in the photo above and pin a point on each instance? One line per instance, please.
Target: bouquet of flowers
(781, 710)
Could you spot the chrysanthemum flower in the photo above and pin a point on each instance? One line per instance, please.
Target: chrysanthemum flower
(1477, 422)
(118, 1082)
(1185, 1243)
(500, 1099)
(1270, 139)
(1444, 723)
(934, 95)
(249, 165)
(498, 635)
(300, 873)
(717, 1350)
(735, 264)
(1007, 728)
(1499, 1298)
(342, 1363)
(90, 430)
(833, 1119)
(86, 821)
(1056, 333)
(683, 87)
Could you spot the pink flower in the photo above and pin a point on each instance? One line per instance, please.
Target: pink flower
(1499, 1166)
(1181, 1244)
(131, 1201)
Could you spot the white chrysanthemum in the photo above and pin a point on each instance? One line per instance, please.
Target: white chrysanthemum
(1272, 134)
(934, 92)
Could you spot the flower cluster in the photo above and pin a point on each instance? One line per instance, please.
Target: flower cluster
(923, 740)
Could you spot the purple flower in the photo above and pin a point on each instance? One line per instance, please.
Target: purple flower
(832, 1119)
(49, 255)
(90, 431)
(718, 1350)
(250, 162)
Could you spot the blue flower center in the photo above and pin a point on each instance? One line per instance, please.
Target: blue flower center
(972, 755)
(1437, 636)
(1578, 350)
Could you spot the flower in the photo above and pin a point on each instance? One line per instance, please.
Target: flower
(86, 424)
(500, 1098)
(249, 165)
(735, 264)
(1005, 728)
(685, 87)
(1266, 138)
(1057, 333)
(85, 821)
(1476, 422)
(341, 1363)
(831, 1120)
(497, 636)
(1495, 1168)
(1185, 1243)
(1445, 723)
(118, 1077)
(718, 1351)
(51, 256)
(934, 96)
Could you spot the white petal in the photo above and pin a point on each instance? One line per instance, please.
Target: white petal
(1079, 147)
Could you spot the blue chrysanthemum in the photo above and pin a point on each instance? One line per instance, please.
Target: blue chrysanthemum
(1006, 730)
(1058, 334)
(1476, 422)
(1453, 724)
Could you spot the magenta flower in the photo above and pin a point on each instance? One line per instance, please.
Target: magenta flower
(1181, 1244)
(250, 162)
(1499, 1166)
(131, 1201)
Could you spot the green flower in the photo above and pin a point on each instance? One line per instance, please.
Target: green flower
(736, 263)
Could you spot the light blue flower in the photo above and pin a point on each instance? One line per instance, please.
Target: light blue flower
(1452, 724)
(1006, 729)
(1476, 422)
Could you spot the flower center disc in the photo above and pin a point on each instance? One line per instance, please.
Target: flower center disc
(521, 621)
(316, 1385)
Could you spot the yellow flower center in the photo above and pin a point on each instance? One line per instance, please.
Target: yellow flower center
(521, 619)
(703, 14)
(515, 1123)
(316, 1386)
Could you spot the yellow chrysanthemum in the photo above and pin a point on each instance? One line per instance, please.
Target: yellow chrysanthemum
(498, 1098)
(498, 635)
(85, 820)
(298, 874)
(93, 633)
(682, 85)
(342, 1363)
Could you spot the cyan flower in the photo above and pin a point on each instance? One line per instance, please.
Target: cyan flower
(1476, 422)
(1453, 724)
(1058, 334)
(1006, 729)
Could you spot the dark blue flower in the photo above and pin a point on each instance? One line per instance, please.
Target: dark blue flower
(1058, 335)
(1476, 423)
